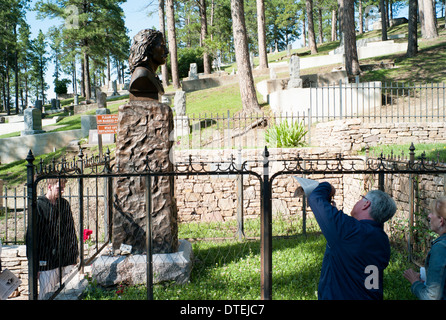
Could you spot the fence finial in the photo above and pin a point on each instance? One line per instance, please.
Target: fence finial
(266, 152)
(30, 157)
(411, 153)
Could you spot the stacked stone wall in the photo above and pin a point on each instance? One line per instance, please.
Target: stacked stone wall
(354, 134)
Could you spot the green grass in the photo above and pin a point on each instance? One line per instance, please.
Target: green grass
(14, 173)
(423, 68)
(230, 270)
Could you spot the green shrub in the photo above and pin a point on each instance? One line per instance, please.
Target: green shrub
(286, 135)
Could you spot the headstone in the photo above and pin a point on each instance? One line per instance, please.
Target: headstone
(53, 104)
(33, 121)
(39, 104)
(76, 99)
(113, 88)
(101, 99)
(288, 48)
(181, 121)
(88, 122)
(193, 72)
(295, 80)
(180, 103)
(272, 74)
(144, 129)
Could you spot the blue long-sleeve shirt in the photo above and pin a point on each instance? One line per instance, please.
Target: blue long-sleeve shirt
(435, 286)
(356, 254)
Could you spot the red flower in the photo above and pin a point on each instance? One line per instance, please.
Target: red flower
(87, 233)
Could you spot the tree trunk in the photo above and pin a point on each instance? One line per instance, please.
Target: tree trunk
(7, 80)
(334, 22)
(172, 44)
(361, 18)
(421, 16)
(412, 37)
(351, 53)
(108, 70)
(87, 84)
(164, 69)
(311, 35)
(382, 7)
(321, 28)
(430, 27)
(244, 72)
(203, 34)
(263, 56)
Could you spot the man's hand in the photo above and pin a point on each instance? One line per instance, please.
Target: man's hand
(411, 275)
(299, 192)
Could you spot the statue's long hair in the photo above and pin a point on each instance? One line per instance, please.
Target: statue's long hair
(143, 43)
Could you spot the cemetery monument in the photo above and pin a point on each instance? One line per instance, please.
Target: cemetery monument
(144, 125)
(295, 80)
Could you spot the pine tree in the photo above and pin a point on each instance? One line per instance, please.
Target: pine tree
(39, 65)
(96, 27)
(246, 80)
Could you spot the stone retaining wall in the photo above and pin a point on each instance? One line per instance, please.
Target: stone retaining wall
(354, 134)
(14, 259)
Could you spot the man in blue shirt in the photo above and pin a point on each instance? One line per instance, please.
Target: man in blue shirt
(358, 249)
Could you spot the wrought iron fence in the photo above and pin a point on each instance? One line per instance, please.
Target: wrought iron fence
(374, 102)
(236, 221)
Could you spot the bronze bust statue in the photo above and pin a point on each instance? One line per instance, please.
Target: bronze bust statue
(147, 53)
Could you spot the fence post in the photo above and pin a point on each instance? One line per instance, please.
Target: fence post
(108, 198)
(266, 232)
(411, 202)
(31, 240)
(149, 267)
(381, 173)
(240, 225)
(81, 210)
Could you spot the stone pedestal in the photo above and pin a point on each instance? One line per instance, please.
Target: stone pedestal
(132, 269)
(143, 131)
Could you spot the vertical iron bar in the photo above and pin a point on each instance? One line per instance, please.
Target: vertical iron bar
(108, 200)
(81, 212)
(149, 270)
(304, 208)
(411, 202)
(340, 99)
(240, 224)
(266, 233)
(32, 228)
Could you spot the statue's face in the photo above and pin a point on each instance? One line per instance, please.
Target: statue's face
(160, 52)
